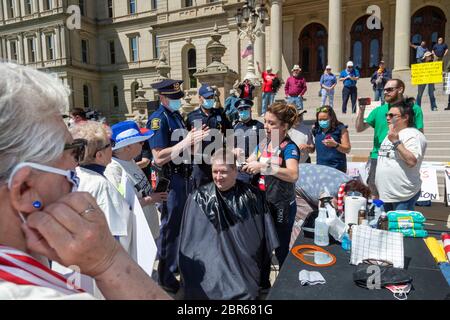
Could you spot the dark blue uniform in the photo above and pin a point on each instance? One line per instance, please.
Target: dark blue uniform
(164, 122)
(248, 136)
(216, 119)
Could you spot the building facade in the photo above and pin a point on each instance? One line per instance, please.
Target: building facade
(119, 41)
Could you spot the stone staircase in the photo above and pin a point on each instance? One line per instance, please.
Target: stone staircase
(437, 124)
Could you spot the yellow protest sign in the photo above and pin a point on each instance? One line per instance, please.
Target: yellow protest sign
(427, 72)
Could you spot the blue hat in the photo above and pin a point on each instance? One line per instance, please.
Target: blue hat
(169, 88)
(126, 133)
(206, 91)
(243, 103)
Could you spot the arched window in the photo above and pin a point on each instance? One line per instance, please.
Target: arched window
(192, 67)
(427, 24)
(366, 46)
(321, 58)
(374, 53)
(313, 44)
(357, 54)
(134, 89)
(86, 96)
(115, 93)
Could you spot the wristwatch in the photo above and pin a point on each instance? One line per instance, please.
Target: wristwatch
(396, 144)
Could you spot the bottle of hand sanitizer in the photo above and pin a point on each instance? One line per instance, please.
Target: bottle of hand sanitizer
(321, 237)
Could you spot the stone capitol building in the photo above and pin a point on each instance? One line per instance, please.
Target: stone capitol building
(123, 45)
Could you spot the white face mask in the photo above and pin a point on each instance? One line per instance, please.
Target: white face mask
(70, 175)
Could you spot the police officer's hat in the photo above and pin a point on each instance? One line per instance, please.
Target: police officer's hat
(169, 88)
(243, 104)
(206, 91)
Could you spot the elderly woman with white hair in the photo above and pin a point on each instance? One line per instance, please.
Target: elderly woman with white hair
(41, 218)
(92, 179)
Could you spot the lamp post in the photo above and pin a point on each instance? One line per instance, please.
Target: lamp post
(250, 21)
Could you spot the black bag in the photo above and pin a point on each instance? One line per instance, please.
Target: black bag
(276, 84)
(388, 275)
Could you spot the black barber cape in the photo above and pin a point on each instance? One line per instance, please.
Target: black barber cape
(225, 239)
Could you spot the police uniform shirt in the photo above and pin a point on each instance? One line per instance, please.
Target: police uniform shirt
(164, 122)
(251, 129)
(215, 120)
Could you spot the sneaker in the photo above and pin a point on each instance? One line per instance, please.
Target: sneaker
(448, 108)
(434, 109)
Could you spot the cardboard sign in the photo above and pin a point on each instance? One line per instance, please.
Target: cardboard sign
(355, 169)
(447, 185)
(427, 72)
(430, 189)
(144, 249)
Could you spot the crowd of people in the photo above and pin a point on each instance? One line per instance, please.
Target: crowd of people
(217, 205)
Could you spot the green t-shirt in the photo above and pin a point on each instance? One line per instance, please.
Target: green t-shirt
(377, 120)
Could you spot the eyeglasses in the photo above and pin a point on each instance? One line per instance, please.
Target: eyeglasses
(390, 89)
(79, 149)
(391, 115)
(354, 194)
(322, 109)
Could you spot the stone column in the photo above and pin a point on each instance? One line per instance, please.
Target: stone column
(335, 38)
(276, 34)
(260, 56)
(402, 35)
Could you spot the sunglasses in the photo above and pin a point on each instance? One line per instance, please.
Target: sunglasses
(322, 109)
(390, 89)
(78, 147)
(391, 115)
(111, 144)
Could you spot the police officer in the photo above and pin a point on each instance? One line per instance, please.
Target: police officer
(165, 122)
(248, 133)
(213, 118)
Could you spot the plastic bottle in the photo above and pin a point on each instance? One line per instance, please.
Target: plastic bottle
(378, 209)
(383, 222)
(321, 237)
(361, 214)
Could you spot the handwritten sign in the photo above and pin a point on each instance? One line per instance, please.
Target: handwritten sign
(427, 72)
(358, 169)
(447, 185)
(430, 189)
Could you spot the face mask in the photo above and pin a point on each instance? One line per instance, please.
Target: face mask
(70, 175)
(244, 115)
(208, 103)
(324, 124)
(175, 105)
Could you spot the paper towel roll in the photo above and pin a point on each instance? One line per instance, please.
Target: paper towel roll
(352, 206)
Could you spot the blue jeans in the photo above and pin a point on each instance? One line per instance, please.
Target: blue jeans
(379, 95)
(267, 99)
(330, 95)
(297, 101)
(404, 205)
(420, 91)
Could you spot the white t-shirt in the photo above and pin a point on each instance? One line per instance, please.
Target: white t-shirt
(141, 184)
(395, 181)
(302, 134)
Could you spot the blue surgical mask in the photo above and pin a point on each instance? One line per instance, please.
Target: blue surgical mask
(175, 105)
(324, 124)
(244, 115)
(208, 103)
